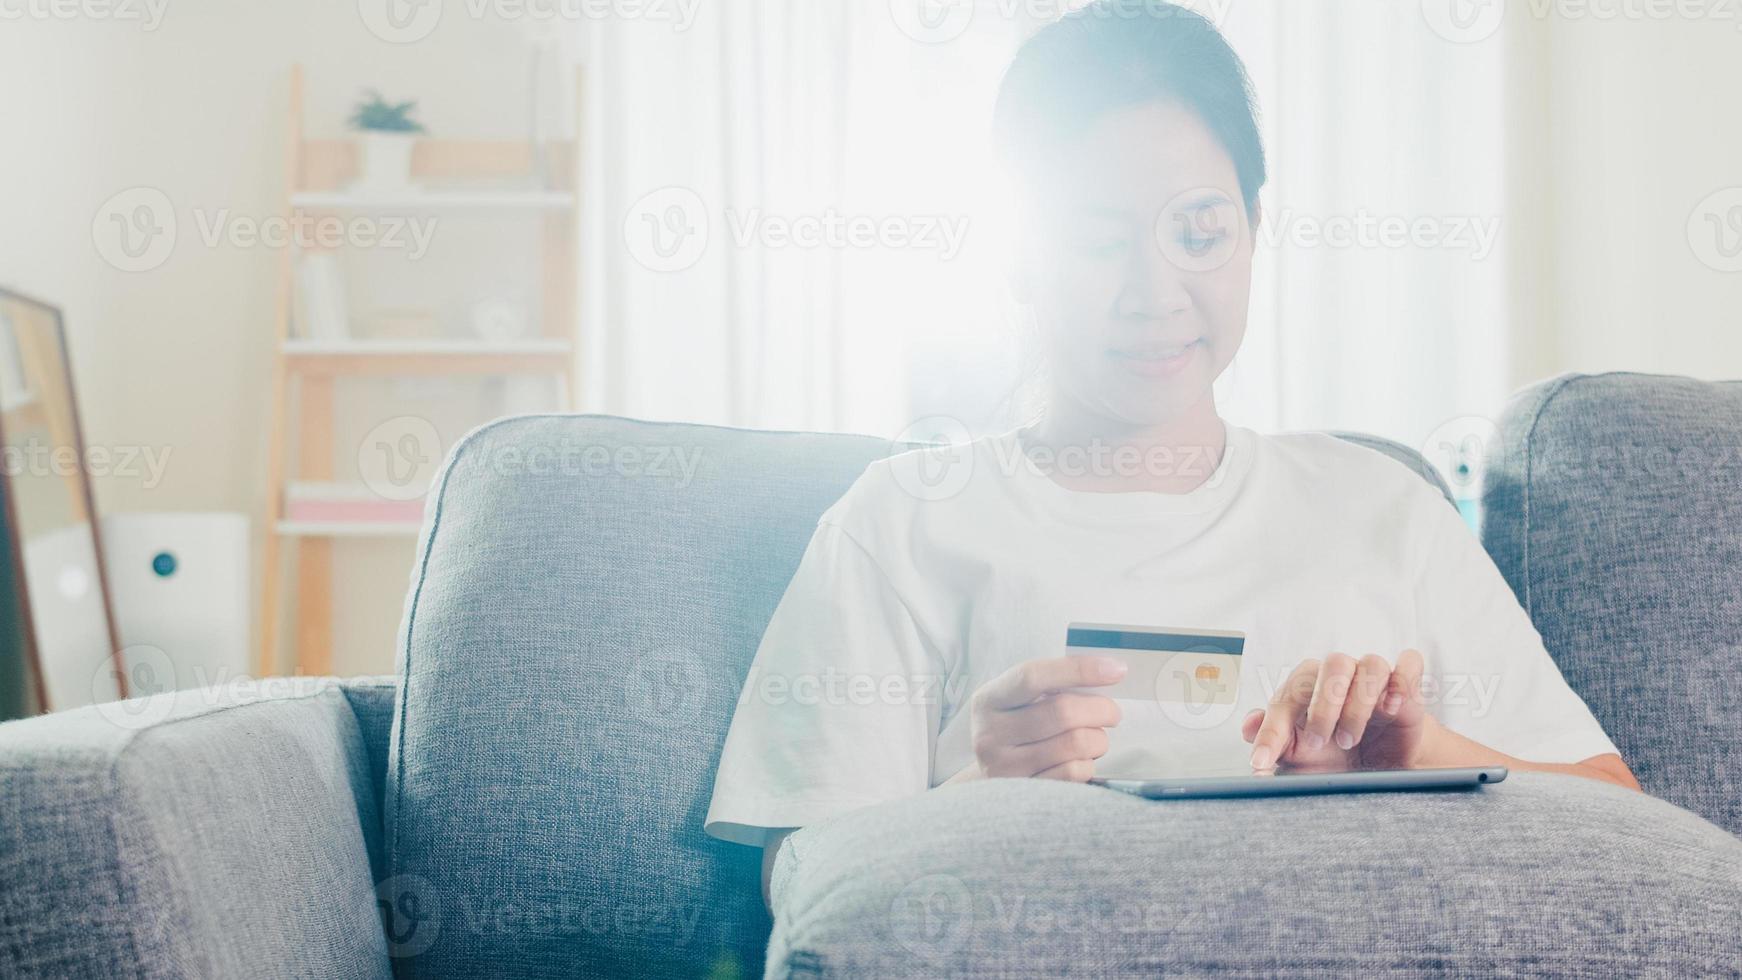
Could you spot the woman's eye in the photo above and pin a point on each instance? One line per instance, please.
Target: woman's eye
(1199, 244)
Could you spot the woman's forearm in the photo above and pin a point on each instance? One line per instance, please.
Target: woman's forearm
(1443, 747)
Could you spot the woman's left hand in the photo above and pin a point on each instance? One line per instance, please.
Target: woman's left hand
(1343, 714)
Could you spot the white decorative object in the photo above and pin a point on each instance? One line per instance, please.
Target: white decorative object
(66, 607)
(180, 584)
(386, 161)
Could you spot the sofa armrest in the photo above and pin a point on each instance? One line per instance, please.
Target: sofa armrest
(221, 832)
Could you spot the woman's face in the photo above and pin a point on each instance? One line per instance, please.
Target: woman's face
(1139, 269)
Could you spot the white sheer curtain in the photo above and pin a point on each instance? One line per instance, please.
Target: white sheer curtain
(1373, 121)
(768, 112)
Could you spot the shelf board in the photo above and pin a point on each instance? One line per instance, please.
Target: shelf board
(348, 529)
(450, 357)
(438, 200)
(418, 348)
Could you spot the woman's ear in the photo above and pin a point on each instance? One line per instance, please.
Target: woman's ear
(1256, 217)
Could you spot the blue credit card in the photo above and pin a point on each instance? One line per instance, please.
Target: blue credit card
(1184, 666)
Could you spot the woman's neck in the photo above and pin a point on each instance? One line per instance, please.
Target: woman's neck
(1096, 454)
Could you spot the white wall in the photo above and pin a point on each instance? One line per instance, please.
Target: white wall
(178, 359)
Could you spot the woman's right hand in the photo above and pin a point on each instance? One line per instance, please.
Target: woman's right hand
(1028, 722)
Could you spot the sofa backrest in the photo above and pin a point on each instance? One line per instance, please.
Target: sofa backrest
(1613, 505)
(589, 596)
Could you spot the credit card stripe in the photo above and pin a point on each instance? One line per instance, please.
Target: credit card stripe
(1175, 642)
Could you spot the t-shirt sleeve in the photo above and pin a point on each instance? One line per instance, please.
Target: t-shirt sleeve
(841, 706)
(1489, 676)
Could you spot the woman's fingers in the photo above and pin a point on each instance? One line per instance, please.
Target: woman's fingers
(1288, 704)
(1330, 691)
(1076, 771)
(1372, 677)
(1402, 702)
(1079, 745)
(1034, 679)
(1057, 729)
(1049, 716)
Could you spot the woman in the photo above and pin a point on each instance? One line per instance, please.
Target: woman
(922, 639)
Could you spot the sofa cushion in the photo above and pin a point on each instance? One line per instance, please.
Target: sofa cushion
(1613, 505)
(1541, 875)
(591, 592)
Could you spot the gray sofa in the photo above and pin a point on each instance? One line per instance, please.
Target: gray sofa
(525, 797)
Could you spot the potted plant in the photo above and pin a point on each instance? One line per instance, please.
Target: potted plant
(388, 132)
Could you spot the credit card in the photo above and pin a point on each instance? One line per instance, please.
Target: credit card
(1165, 664)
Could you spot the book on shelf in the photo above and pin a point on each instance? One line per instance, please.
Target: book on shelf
(347, 503)
(321, 312)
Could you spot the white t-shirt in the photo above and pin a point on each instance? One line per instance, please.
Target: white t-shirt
(939, 569)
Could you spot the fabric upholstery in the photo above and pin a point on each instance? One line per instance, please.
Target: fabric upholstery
(1540, 875)
(221, 833)
(591, 591)
(372, 701)
(1613, 505)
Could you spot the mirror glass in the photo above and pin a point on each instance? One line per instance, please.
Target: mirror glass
(66, 630)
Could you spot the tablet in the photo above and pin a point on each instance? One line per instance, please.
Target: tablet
(1292, 783)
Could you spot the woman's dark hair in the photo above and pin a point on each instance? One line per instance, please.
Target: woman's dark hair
(1112, 54)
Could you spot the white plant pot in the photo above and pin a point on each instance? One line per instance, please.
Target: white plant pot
(385, 160)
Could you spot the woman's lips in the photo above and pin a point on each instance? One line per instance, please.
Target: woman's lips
(1156, 362)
